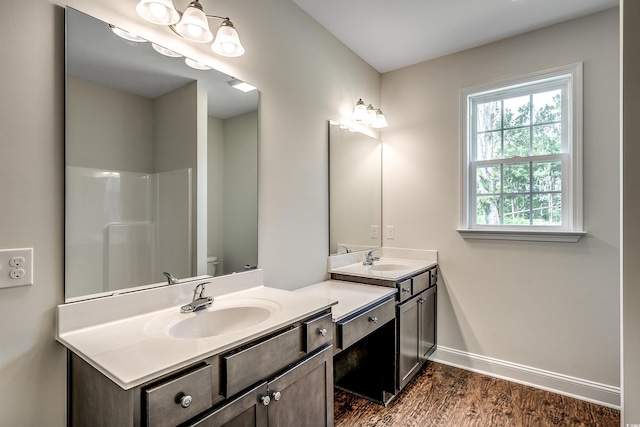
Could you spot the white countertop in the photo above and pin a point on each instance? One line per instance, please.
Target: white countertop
(126, 352)
(358, 269)
(351, 297)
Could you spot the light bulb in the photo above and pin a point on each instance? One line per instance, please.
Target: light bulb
(194, 30)
(158, 11)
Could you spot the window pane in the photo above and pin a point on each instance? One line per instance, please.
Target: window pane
(516, 178)
(489, 116)
(488, 210)
(516, 111)
(547, 139)
(488, 146)
(516, 142)
(547, 106)
(547, 176)
(516, 210)
(488, 180)
(547, 209)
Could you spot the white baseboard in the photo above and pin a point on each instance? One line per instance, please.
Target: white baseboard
(589, 391)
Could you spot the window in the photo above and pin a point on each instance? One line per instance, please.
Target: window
(522, 174)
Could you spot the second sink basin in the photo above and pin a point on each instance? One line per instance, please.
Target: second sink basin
(223, 317)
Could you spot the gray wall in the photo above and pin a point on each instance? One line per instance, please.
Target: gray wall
(630, 214)
(550, 306)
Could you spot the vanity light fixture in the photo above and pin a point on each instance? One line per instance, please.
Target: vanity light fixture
(369, 114)
(240, 85)
(192, 24)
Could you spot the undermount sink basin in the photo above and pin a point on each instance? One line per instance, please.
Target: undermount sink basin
(389, 267)
(223, 317)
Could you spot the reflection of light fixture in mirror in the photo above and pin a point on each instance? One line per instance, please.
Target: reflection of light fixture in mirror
(192, 24)
(126, 34)
(195, 64)
(164, 51)
(240, 85)
(369, 115)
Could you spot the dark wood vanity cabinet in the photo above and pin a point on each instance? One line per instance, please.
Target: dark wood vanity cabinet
(415, 320)
(284, 378)
(300, 396)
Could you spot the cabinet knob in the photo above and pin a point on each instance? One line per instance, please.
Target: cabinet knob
(185, 401)
(276, 395)
(421, 301)
(322, 332)
(373, 319)
(406, 290)
(265, 400)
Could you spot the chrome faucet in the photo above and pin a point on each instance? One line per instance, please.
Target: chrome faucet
(171, 280)
(199, 300)
(369, 258)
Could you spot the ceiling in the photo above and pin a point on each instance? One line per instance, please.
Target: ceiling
(391, 34)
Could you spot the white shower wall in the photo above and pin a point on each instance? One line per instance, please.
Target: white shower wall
(118, 226)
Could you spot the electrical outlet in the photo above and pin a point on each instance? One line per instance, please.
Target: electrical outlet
(16, 267)
(374, 231)
(391, 232)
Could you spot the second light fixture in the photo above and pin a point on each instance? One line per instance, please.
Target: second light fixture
(370, 115)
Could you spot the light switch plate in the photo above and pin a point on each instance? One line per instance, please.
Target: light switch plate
(16, 267)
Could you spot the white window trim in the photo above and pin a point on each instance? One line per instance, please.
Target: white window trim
(574, 229)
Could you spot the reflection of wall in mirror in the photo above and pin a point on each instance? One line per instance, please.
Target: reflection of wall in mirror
(111, 130)
(232, 191)
(355, 180)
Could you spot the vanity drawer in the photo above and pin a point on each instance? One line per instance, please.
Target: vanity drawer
(177, 400)
(421, 282)
(352, 330)
(404, 290)
(257, 361)
(318, 332)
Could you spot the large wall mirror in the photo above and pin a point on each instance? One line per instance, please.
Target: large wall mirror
(355, 190)
(161, 166)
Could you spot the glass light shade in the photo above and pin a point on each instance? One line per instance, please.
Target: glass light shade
(164, 51)
(195, 64)
(161, 12)
(371, 114)
(193, 25)
(381, 120)
(227, 42)
(126, 35)
(360, 111)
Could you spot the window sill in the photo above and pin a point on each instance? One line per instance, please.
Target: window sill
(533, 236)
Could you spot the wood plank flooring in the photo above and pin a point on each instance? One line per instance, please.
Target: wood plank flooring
(444, 396)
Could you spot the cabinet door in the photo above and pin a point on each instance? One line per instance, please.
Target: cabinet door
(427, 319)
(303, 395)
(247, 410)
(408, 352)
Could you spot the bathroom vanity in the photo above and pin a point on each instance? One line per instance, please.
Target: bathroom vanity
(273, 350)
(414, 275)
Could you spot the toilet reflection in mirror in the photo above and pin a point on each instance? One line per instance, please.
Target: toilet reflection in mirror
(355, 190)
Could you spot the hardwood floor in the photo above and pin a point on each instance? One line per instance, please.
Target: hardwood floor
(443, 396)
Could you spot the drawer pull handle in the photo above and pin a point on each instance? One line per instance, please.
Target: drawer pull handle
(322, 332)
(373, 319)
(406, 290)
(265, 400)
(276, 396)
(185, 401)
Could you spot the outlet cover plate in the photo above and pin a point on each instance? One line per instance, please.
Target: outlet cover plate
(6, 255)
